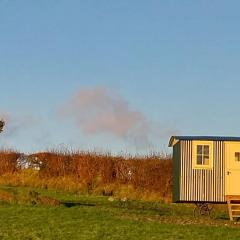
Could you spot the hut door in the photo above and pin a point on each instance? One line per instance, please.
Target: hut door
(232, 168)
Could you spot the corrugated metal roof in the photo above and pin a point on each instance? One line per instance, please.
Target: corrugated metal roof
(203, 138)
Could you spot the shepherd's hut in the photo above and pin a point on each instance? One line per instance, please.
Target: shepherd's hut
(206, 169)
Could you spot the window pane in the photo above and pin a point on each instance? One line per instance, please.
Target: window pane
(199, 149)
(206, 150)
(237, 156)
(206, 160)
(199, 159)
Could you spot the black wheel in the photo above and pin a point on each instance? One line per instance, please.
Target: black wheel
(203, 210)
(212, 213)
(196, 212)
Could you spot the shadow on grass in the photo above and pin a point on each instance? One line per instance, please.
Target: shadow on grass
(75, 204)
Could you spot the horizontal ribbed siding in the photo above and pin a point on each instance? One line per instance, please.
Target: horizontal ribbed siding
(206, 185)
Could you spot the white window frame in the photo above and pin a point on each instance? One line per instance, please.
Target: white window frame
(194, 155)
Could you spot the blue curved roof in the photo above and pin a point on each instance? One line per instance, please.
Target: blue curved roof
(203, 138)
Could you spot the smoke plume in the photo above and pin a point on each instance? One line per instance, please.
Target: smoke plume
(99, 111)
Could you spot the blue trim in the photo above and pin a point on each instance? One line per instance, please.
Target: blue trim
(203, 138)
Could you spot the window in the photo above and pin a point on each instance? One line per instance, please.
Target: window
(203, 154)
(237, 156)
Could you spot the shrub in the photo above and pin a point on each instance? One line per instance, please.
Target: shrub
(92, 172)
(8, 161)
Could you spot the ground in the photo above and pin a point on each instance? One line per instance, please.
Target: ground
(92, 217)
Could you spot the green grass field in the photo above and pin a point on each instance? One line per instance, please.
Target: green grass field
(92, 217)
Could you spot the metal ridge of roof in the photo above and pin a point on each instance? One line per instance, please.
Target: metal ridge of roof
(207, 138)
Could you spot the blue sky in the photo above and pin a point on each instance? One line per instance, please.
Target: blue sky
(174, 63)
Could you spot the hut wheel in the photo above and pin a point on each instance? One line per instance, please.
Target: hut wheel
(203, 210)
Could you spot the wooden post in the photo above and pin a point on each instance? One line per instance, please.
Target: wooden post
(229, 208)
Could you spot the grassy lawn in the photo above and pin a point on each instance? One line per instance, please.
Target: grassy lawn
(97, 218)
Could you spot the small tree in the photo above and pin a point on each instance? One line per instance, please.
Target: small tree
(2, 123)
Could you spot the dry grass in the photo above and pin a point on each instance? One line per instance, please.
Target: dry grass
(8, 161)
(138, 177)
(7, 197)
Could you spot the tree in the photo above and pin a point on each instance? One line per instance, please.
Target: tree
(2, 123)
